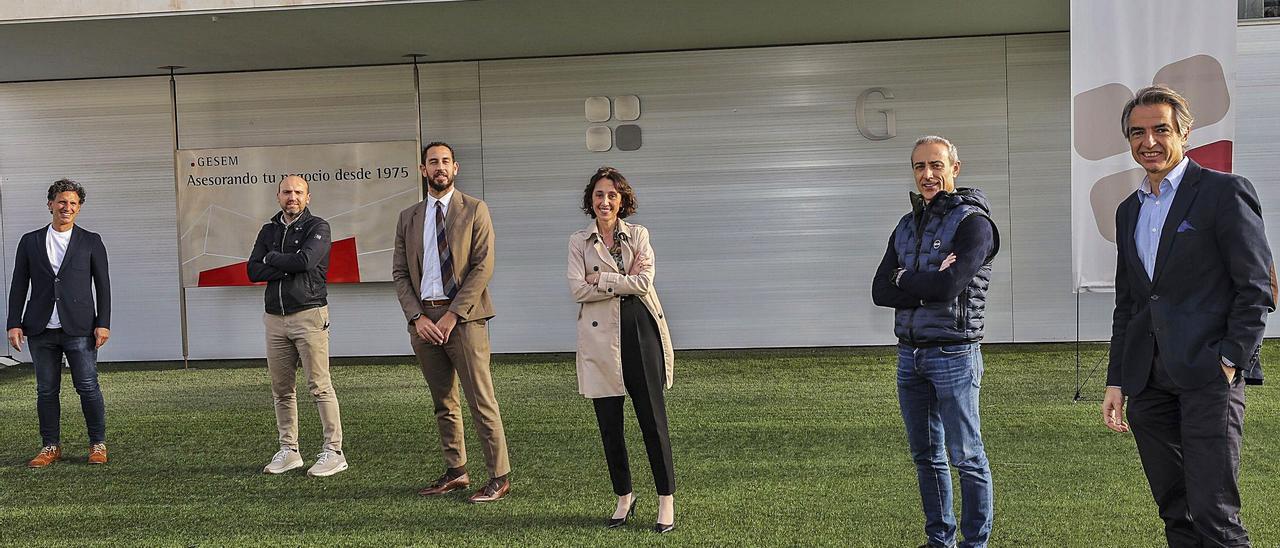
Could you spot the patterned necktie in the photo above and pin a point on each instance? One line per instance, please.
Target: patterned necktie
(446, 258)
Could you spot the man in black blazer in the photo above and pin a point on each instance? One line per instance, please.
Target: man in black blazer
(1194, 284)
(65, 267)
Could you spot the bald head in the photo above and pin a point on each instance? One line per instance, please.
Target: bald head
(294, 194)
(293, 179)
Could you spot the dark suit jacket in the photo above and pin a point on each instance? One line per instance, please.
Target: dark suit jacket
(1213, 286)
(83, 270)
(470, 232)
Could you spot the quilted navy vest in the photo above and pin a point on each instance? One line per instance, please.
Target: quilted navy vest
(922, 240)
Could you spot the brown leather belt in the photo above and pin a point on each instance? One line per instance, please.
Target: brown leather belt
(433, 304)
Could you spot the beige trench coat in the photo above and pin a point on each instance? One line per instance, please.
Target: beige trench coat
(599, 324)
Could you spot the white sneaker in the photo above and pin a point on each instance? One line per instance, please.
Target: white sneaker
(283, 461)
(327, 463)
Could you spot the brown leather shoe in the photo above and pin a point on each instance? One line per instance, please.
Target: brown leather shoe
(446, 485)
(493, 490)
(48, 454)
(98, 453)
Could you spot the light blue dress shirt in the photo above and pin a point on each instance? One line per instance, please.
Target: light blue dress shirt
(1152, 213)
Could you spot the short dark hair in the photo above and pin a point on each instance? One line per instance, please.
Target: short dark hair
(65, 185)
(619, 183)
(1160, 95)
(434, 144)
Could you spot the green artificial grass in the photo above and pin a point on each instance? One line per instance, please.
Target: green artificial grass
(794, 447)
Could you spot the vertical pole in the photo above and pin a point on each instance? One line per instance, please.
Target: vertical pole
(417, 101)
(1079, 388)
(417, 93)
(5, 266)
(182, 291)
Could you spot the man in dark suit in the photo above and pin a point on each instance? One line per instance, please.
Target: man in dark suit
(442, 264)
(1194, 284)
(66, 269)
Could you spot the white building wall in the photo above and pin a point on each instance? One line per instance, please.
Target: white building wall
(1258, 125)
(1039, 241)
(769, 211)
(291, 108)
(115, 137)
(45, 10)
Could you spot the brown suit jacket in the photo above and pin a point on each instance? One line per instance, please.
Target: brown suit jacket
(470, 232)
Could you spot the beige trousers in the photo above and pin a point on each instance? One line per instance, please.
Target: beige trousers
(464, 360)
(302, 338)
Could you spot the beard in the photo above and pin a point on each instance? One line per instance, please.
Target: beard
(440, 187)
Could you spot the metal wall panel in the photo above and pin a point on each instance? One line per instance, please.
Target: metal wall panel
(287, 108)
(768, 210)
(115, 137)
(1038, 239)
(1258, 125)
(451, 113)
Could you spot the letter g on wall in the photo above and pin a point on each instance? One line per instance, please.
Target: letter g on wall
(860, 115)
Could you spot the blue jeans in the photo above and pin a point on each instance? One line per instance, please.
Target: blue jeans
(47, 350)
(938, 394)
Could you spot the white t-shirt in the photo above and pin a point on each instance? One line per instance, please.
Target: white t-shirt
(55, 244)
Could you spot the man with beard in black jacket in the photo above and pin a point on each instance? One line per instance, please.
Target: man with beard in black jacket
(292, 256)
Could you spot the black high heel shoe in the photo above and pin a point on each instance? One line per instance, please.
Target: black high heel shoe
(615, 523)
(664, 527)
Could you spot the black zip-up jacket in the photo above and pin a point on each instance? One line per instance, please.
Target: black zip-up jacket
(293, 259)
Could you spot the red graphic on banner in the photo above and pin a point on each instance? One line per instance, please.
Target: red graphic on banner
(1215, 155)
(344, 268)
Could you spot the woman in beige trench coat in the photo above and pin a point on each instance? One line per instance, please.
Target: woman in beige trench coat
(624, 347)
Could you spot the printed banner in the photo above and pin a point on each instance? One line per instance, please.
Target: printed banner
(226, 194)
(1117, 48)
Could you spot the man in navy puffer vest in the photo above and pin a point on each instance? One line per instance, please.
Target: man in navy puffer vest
(935, 274)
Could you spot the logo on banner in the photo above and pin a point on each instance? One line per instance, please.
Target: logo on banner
(623, 108)
(1098, 135)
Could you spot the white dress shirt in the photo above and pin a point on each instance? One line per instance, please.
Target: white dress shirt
(432, 287)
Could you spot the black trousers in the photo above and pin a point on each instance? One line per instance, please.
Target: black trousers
(644, 376)
(1189, 443)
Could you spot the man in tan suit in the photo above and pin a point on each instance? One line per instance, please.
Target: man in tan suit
(443, 289)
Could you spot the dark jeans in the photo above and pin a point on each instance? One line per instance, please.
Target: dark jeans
(1189, 443)
(938, 395)
(644, 376)
(47, 350)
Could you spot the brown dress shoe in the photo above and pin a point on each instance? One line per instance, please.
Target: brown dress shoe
(446, 484)
(98, 453)
(47, 456)
(494, 490)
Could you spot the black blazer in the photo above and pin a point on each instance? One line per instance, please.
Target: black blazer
(83, 270)
(1213, 286)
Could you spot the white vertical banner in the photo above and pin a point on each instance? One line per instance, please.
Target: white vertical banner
(1117, 48)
